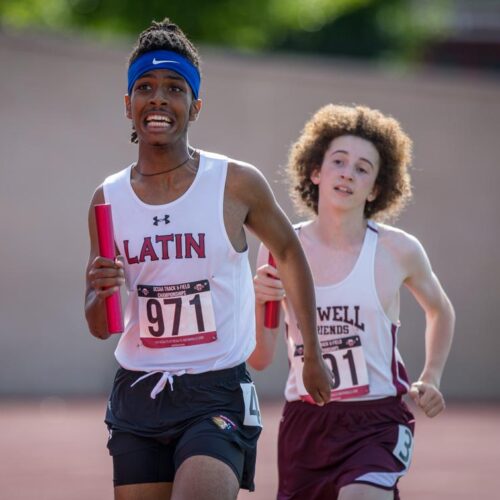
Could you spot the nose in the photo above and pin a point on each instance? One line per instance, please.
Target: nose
(159, 96)
(347, 172)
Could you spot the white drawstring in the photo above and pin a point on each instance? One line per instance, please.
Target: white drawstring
(162, 382)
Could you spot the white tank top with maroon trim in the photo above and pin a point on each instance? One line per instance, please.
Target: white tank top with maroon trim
(358, 339)
(190, 303)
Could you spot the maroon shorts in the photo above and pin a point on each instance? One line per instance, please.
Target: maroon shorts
(322, 449)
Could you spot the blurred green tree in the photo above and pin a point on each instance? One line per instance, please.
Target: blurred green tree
(355, 28)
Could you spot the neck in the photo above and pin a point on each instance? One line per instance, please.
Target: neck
(339, 229)
(153, 159)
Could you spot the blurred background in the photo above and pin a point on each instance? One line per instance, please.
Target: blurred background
(267, 66)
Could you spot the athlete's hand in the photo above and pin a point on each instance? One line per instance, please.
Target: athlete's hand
(105, 276)
(427, 397)
(317, 379)
(267, 285)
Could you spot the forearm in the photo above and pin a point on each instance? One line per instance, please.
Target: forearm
(299, 287)
(266, 339)
(438, 338)
(95, 314)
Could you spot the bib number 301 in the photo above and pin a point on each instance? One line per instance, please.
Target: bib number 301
(346, 360)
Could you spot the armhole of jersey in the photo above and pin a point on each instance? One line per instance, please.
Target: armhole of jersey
(119, 178)
(108, 188)
(373, 226)
(222, 193)
(105, 192)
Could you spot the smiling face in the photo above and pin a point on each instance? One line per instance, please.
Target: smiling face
(161, 106)
(346, 178)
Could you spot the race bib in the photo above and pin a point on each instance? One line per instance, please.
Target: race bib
(403, 450)
(176, 315)
(346, 360)
(252, 410)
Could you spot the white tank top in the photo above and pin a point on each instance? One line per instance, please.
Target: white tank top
(358, 339)
(190, 301)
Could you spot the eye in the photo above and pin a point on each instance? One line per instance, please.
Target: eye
(175, 86)
(337, 161)
(143, 87)
(361, 169)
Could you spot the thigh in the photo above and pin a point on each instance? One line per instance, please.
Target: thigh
(306, 468)
(364, 492)
(205, 477)
(323, 449)
(138, 461)
(146, 491)
(214, 437)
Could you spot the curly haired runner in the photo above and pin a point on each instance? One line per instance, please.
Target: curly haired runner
(183, 413)
(349, 168)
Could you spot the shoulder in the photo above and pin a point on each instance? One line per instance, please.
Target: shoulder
(243, 170)
(235, 168)
(98, 196)
(245, 180)
(403, 247)
(118, 177)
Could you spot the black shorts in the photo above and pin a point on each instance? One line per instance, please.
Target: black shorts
(214, 414)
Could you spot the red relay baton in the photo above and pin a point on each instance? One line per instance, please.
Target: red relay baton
(104, 224)
(272, 308)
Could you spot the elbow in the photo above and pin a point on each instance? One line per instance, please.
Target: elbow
(258, 366)
(443, 313)
(259, 363)
(96, 321)
(450, 311)
(96, 329)
(99, 334)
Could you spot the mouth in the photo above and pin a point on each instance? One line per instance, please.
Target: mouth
(156, 121)
(343, 189)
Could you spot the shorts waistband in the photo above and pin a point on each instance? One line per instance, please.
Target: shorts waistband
(228, 374)
(236, 373)
(357, 405)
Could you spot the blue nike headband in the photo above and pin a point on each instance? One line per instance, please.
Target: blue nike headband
(164, 59)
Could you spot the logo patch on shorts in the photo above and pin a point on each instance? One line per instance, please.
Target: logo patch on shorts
(224, 423)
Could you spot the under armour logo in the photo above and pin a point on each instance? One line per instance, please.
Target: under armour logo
(156, 220)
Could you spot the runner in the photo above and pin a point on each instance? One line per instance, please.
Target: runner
(349, 168)
(183, 414)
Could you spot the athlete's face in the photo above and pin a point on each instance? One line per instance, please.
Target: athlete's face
(161, 106)
(347, 176)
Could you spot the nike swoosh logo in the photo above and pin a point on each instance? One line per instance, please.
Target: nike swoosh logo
(156, 61)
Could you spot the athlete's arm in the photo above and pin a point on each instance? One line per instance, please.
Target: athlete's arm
(440, 322)
(267, 288)
(103, 277)
(267, 220)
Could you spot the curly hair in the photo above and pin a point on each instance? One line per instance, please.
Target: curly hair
(164, 35)
(384, 132)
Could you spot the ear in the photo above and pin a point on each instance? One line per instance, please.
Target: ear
(315, 176)
(373, 195)
(195, 109)
(128, 107)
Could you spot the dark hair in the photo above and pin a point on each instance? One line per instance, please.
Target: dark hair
(384, 132)
(164, 35)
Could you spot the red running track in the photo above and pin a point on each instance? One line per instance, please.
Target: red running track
(54, 449)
